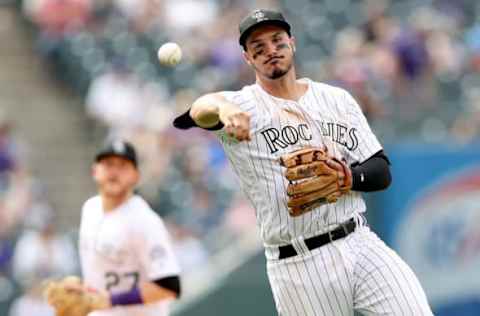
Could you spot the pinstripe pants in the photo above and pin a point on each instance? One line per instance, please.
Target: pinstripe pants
(356, 273)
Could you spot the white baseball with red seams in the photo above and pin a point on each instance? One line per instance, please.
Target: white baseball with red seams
(170, 54)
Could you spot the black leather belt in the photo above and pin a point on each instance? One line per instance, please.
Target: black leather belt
(318, 241)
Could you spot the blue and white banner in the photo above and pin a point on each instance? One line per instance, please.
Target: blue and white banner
(431, 217)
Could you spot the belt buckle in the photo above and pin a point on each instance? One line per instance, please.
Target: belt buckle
(331, 232)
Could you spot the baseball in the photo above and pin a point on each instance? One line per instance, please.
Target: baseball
(169, 54)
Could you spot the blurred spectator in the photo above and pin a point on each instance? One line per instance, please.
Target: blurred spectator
(411, 52)
(55, 17)
(190, 251)
(8, 163)
(115, 99)
(31, 303)
(14, 182)
(14, 202)
(41, 252)
(472, 39)
(7, 148)
(30, 8)
(379, 27)
(356, 73)
(182, 15)
(466, 127)
(6, 254)
(240, 217)
(145, 15)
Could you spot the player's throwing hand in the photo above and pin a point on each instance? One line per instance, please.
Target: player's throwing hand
(236, 124)
(212, 109)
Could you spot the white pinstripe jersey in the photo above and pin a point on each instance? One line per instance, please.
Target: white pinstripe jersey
(121, 248)
(324, 115)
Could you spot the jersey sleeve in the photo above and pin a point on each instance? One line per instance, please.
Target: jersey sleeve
(242, 98)
(81, 242)
(154, 249)
(365, 142)
(185, 121)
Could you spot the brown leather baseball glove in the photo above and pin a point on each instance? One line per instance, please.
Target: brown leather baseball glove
(312, 179)
(69, 297)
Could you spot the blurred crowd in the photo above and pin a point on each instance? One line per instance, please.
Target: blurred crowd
(31, 248)
(413, 66)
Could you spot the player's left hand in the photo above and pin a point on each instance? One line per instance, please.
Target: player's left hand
(344, 173)
(69, 297)
(100, 299)
(314, 178)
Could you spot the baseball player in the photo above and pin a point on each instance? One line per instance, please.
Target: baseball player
(125, 249)
(322, 259)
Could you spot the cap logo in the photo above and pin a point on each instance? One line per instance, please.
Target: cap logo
(118, 147)
(259, 16)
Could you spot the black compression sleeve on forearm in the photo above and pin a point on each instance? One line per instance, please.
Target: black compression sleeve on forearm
(170, 283)
(185, 121)
(372, 175)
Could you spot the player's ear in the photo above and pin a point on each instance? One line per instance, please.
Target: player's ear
(246, 57)
(293, 44)
(93, 171)
(137, 176)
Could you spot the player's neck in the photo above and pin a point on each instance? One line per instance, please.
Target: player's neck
(285, 87)
(110, 203)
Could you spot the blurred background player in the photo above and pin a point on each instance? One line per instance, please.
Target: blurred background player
(125, 248)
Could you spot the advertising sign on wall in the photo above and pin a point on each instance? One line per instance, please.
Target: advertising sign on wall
(431, 217)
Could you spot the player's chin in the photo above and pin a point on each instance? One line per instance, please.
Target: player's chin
(114, 189)
(277, 73)
(277, 70)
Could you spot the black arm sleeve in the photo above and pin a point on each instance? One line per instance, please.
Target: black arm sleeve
(170, 283)
(185, 121)
(373, 174)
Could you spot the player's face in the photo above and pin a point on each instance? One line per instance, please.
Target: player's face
(270, 51)
(115, 176)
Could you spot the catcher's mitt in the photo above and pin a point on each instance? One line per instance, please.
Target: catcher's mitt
(70, 298)
(312, 182)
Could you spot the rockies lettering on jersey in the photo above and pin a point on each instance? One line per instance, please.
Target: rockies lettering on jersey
(290, 135)
(325, 116)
